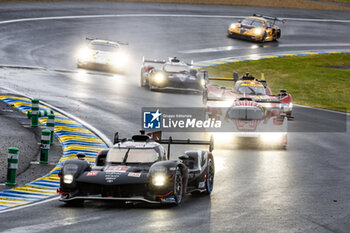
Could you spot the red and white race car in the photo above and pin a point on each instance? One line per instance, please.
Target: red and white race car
(249, 87)
(246, 121)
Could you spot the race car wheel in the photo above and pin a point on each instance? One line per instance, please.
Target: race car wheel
(209, 183)
(178, 187)
(264, 37)
(142, 79)
(150, 86)
(205, 96)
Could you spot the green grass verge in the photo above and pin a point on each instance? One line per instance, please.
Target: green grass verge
(307, 78)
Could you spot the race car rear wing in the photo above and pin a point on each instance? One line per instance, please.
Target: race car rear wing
(270, 18)
(158, 138)
(171, 59)
(235, 78)
(153, 61)
(117, 42)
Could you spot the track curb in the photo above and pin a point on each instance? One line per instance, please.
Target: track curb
(74, 136)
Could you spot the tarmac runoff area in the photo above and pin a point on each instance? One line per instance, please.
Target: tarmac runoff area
(15, 131)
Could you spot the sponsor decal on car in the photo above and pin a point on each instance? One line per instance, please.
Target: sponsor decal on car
(111, 176)
(93, 173)
(201, 185)
(134, 174)
(168, 199)
(117, 169)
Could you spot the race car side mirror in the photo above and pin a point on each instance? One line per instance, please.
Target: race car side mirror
(184, 157)
(283, 91)
(81, 155)
(211, 146)
(235, 76)
(193, 72)
(205, 75)
(116, 138)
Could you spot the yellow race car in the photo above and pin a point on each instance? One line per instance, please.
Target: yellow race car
(259, 28)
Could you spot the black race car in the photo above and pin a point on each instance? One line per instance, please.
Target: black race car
(173, 74)
(139, 169)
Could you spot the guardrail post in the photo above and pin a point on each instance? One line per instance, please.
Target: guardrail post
(51, 125)
(34, 113)
(12, 165)
(45, 146)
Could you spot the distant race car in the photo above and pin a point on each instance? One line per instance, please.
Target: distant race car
(139, 170)
(251, 124)
(102, 55)
(173, 74)
(248, 86)
(259, 28)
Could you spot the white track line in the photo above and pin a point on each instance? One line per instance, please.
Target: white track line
(29, 205)
(253, 47)
(157, 15)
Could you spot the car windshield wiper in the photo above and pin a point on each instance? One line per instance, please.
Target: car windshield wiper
(252, 91)
(126, 156)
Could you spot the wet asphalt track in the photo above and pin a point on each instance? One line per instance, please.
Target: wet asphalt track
(303, 189)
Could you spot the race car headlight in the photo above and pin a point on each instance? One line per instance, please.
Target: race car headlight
(119, 59)
(159, 180)
(68, 179)
(84, 54)
(202, 82)
(271, 137)
(158, 78)
(233, 26)
(258, 31)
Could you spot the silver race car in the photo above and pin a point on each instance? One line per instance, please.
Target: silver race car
(102, 55)
(172, 74)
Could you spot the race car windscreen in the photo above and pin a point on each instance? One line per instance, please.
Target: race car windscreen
(246, 113)
(103, 47)
(253, 22)
(132, 155)
(176, 69)
(258, 23)
(247, 21)
(251, 90)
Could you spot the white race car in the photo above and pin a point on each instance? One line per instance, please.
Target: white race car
(102, 55)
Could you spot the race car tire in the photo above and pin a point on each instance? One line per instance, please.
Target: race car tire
(205, 96)
(209, 182)
(264, 37)
(278, 34)
(178, 187)
(150, 86)
(142, 79)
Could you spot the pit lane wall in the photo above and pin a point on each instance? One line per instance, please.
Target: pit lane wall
(253, 57)
(74, 138)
